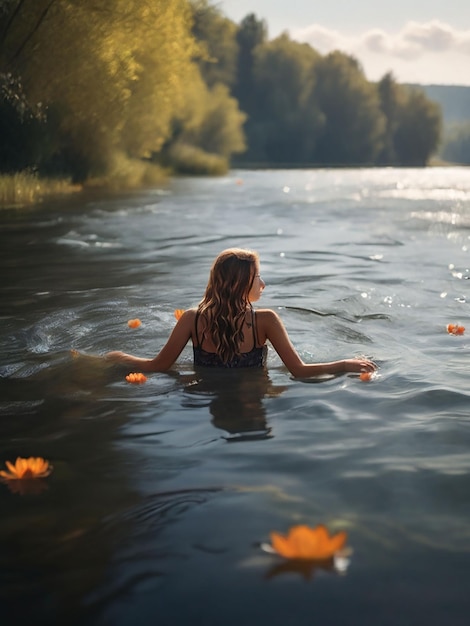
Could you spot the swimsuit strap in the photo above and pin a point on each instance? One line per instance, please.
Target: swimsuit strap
(253, 325)
(195, 327)
(198, 343)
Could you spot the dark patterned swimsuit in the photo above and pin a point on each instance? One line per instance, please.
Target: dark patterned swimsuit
(256, 357)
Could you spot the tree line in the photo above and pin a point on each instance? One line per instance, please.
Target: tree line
(87, 86)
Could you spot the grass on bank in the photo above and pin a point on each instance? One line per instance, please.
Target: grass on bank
(26, 188)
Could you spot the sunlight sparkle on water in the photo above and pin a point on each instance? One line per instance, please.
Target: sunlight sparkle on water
(192, 452)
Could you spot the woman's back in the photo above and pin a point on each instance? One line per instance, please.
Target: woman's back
(251, 353)
(226, 332)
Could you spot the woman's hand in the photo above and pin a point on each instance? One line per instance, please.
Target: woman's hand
(359, 364)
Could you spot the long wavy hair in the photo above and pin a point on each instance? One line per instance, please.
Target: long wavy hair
(225, 301)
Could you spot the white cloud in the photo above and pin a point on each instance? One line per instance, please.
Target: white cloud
(379, 42)
(418, 48)
(433, 36)
(414, 39)
(322, 39)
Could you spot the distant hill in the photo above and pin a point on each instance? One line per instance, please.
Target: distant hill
(454, 101)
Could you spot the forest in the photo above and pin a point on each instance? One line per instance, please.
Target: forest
(96, 90)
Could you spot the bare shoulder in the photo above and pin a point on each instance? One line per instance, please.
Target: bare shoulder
(266, 315)
(185, 323)
(189, 313)
(266, 319)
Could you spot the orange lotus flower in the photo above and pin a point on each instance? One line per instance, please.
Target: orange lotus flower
(134, 323)
(178, 313)
(455, 329)
(303, 542)
(25, 469)
(137, 378)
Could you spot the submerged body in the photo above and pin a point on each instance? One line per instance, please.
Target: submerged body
(226, 332)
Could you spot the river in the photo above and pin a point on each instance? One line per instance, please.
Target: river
(162, 494)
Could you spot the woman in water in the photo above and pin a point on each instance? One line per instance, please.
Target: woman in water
(226, 331)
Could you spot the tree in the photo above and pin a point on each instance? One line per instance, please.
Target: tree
(285, 121)
(251, 33)
(392, 98)
(23, 128)
(114, 73)
(354, 129)
(419, 129)
(456, 146)
(217, 35)
(210, 119)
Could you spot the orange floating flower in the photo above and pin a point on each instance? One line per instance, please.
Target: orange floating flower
(178, 313)
(455, 329)
(134, 323)
(303, 542)
(137, 378)
(25, 469)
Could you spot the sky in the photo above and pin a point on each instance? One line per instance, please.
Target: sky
(419, 41)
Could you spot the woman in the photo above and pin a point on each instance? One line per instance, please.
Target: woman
(227, 332)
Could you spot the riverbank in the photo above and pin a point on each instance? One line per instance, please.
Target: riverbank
(26, 188)
(23, 189)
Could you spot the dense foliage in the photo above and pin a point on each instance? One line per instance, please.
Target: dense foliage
(457, 144)
(86, 85)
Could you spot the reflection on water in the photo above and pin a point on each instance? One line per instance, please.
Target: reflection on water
(235, 400)
(305, 569)
(148, 514)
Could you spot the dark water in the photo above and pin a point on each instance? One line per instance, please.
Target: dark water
(162, 493)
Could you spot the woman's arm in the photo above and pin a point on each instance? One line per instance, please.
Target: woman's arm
(273, 329)
(177, 340)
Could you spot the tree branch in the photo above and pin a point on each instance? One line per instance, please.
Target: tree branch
(33, 31)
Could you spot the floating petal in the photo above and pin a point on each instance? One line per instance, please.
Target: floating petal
(303, 542)
(455, 329)
(137, 378)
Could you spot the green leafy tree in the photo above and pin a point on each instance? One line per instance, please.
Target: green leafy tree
(210, 122)
(284, 126)
(217, 35)
(164, 50)
(354, 123)
(419, 129)
(114, 73)
(456, 146)
(220, 132)
(392, 99)
(250, 34)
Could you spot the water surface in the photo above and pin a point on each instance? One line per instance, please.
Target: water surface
(162, 493)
